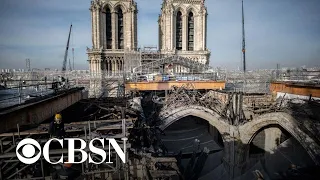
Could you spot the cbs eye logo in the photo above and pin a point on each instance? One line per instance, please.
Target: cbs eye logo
(28, 151)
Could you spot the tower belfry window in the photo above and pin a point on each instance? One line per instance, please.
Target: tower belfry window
(108, 29)
(190, 32)
(179, 31)
(120, 29)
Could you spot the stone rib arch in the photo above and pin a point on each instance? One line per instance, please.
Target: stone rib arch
(170, 116)
(192, 9)
(120, 5)
(107, 5)
(286, 121)
(180, 8)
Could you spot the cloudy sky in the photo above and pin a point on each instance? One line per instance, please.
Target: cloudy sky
(277, 31)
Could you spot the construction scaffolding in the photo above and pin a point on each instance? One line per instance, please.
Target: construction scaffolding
(101, 118)
(131, 59)
(105, 118)
(12, 168)
(150, 54)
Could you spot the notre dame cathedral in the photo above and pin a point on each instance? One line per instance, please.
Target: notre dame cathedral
(182, 32)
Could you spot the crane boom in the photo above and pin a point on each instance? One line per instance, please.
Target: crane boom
(243, 42)
(64, 66)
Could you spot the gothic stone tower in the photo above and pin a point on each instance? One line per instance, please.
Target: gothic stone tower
(114, 32)
(183, 30)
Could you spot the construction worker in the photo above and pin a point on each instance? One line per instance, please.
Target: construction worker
(56, 129)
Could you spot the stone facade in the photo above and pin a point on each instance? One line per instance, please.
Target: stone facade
(114, 31)
(183, 30)
(114, 34)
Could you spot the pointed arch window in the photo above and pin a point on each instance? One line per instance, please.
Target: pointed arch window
(108, 29)
(120, 29)
(179, 31)
(190, 31)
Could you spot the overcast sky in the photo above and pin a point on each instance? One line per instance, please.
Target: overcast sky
(277, 31)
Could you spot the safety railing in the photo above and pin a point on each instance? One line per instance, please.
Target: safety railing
(22, 90)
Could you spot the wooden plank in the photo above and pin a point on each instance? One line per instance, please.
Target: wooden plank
(33, 132)
(113, 127)
(38, 132)
(162, 173)
(164, 159)
(92, 122)
(297, 89)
